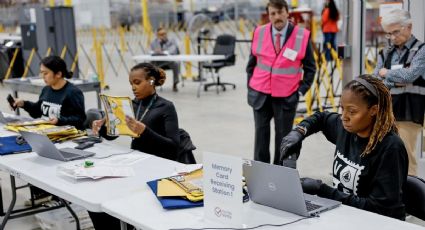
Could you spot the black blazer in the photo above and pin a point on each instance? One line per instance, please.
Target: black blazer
(256, 99)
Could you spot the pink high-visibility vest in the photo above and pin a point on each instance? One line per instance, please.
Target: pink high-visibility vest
(274, 73)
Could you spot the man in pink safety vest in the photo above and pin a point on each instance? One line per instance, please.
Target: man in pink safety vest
(280, 69)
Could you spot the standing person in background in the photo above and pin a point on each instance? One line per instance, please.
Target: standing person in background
(401, 66)
(162, 45)
(280, 69)
(330, 17)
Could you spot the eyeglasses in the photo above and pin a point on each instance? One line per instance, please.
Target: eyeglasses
(394, 33)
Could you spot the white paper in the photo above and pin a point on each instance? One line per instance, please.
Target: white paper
(223, 189)
(181, 169)
(78, 171)
(124, 159)
(290, 54)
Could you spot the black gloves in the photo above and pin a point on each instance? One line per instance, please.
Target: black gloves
(311, 186)
(291, 146)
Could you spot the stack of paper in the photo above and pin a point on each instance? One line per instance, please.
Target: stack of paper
(94, 172)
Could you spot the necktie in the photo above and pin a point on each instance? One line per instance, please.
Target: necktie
(277, 43)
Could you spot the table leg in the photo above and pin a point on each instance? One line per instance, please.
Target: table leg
(200, 79)
(123, 225)
(77, 221)
(15, 95)
(98, 99)
(12, 203)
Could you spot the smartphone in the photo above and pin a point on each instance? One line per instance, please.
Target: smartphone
(11, 101)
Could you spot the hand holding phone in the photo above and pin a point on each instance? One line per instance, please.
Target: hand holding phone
(11, 101)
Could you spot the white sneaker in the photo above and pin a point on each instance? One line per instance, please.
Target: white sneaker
(38, 201)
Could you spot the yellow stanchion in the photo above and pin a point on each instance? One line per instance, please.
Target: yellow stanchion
(27, 66)
(316, 85)
(51, 3)
(102, 35)
(74, 62)
(63, 53)
(313, 29)
(11, 64)
(94, 35)
(308, 102)
(99, 65)
(146, 23)
(242, 26)
(67, 2)
(328, 87)
(188, 65)
(338, 63)
(49, 50)
(123, 45)
(1, 28)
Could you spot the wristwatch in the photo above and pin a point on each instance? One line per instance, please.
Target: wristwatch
(301, 129)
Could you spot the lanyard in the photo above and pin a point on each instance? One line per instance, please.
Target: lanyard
(147, 108)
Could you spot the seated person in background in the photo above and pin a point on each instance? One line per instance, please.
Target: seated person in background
(60, 101)
(370, 162)
(163, 45)
(156, 122)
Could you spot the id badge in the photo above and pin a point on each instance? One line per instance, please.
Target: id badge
(290, 54)
(396, 67)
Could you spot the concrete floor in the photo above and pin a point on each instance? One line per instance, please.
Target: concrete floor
(220, 123)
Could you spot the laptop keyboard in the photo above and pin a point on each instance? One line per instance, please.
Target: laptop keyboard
(68, 155)
(311, 206)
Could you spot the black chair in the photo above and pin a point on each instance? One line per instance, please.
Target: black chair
(224, 45)
(414, 197)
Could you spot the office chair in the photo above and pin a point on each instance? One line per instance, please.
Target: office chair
(224, 45)
(414, 197)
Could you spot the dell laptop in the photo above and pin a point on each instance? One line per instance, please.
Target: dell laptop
(42, 145)
(279, 187)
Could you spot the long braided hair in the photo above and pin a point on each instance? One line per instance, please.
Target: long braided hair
(384, 120)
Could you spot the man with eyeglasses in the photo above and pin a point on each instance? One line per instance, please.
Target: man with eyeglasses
(401, 66)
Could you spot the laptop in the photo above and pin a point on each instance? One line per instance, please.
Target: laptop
(279, 187)
(42, 145)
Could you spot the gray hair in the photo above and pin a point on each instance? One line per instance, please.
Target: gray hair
(396, 17)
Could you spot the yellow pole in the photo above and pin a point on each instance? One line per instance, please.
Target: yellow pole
(147, 26)
(67, 2)
(94, 34)
(24, 75)
(99, 65)
(123, 46)
(188, 65)
(242, 26)
(1, 28)
(51, 3)
(12, 62)
(63, 53)
(49, 50)
(74, 63)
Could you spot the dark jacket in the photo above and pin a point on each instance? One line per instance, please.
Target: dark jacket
(161, 136)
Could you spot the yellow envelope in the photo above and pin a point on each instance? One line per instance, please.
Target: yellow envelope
(169, 188)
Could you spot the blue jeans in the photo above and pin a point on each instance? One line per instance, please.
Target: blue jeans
(329, 38)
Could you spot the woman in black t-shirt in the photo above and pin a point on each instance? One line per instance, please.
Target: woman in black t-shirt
(60, 101)
(370, 161)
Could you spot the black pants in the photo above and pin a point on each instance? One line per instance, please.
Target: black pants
(283, 111)
(174, 66)
(102, 221)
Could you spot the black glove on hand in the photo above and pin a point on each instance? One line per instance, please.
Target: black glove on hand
(291, 144)
(310, 186)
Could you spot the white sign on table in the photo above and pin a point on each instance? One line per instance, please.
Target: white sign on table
(223, 188)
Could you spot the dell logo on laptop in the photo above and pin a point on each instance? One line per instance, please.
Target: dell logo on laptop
(272, 186)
